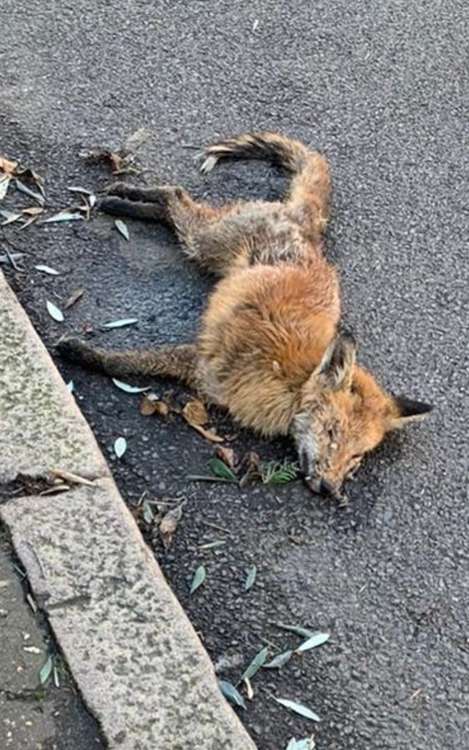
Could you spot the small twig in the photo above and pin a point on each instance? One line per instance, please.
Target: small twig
(216, 526)
(201, 478)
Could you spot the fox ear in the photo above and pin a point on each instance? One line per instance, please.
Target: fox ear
(336, 366)
(408, 411)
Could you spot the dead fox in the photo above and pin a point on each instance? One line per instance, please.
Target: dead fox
(270, 349)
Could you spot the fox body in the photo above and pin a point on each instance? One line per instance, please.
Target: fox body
(270, 348)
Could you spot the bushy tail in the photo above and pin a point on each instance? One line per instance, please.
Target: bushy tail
(289, 154)
(311, 184)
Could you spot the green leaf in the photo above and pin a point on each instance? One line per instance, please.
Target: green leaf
(47, 269)
(198, 579)
(298, 708)
(304, 632)
(129, 388)
(230, 692)
(121, 227)
(250, 578)
(279, 661)
(120, 447)
(315, 640)
(54, 312)
(220, 469)
(46, 670)
(120, 323)
(255, 665)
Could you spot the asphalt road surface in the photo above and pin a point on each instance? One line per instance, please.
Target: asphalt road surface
(381, 89)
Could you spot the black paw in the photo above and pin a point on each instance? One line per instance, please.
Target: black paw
(71, 348)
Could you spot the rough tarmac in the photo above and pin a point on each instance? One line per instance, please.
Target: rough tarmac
(381, 90)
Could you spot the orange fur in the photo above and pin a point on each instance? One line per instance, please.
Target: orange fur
(269, 348)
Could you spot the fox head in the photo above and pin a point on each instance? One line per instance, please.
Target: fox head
(343, 415)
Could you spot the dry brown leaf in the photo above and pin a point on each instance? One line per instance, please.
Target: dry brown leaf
(227, 455)
(250, 467)
(74, 297)
(8, 166)
(195, 413)
(208, 434)
(151, 404)
(169, 524)
(67, 476)
(33, 210)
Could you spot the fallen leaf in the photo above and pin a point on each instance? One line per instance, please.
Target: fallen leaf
(198, 579)
(298, 708)
(63, 216)
(231, 693)
(47, 269)
(208, 434)
(305, 744)
(315, 640)
(74, 297)
(12, 216)
(120, 447)
(8, 166)
(28, 223)
(12, 257)
(129, 388)
(4, 184)
(54, 312)
(38, 197)
(148, 513)
(120, 323)
(121, 227)
(46, 670)
(295, 629)
(81, 190)
(56, 677)
(151, 404)
(250, 578)
(32, 649)
(70, 386)
(33, 210)
(227, 455)
(68, 476)
(220, 469)
(279, 661)
(195, 413)
(168, 526)
(256, 664)
(249, 690)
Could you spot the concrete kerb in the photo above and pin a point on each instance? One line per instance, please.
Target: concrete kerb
(138, 662)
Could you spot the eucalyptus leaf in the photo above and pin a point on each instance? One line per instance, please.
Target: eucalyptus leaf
(120, 447)
(198, 579)
(298, 629)
(250, 578)
(120, 323)
(54, 312)
(63, 216)
(298, 708)
(129, 388)
(279, 661)
(70, 386)
(4, 183)
(47, 269)
(315, 640)
(46, 670)
(24, 189)
(304, 744)
(230, 692)
(255, 665)
(82, 190)
(121, 227)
